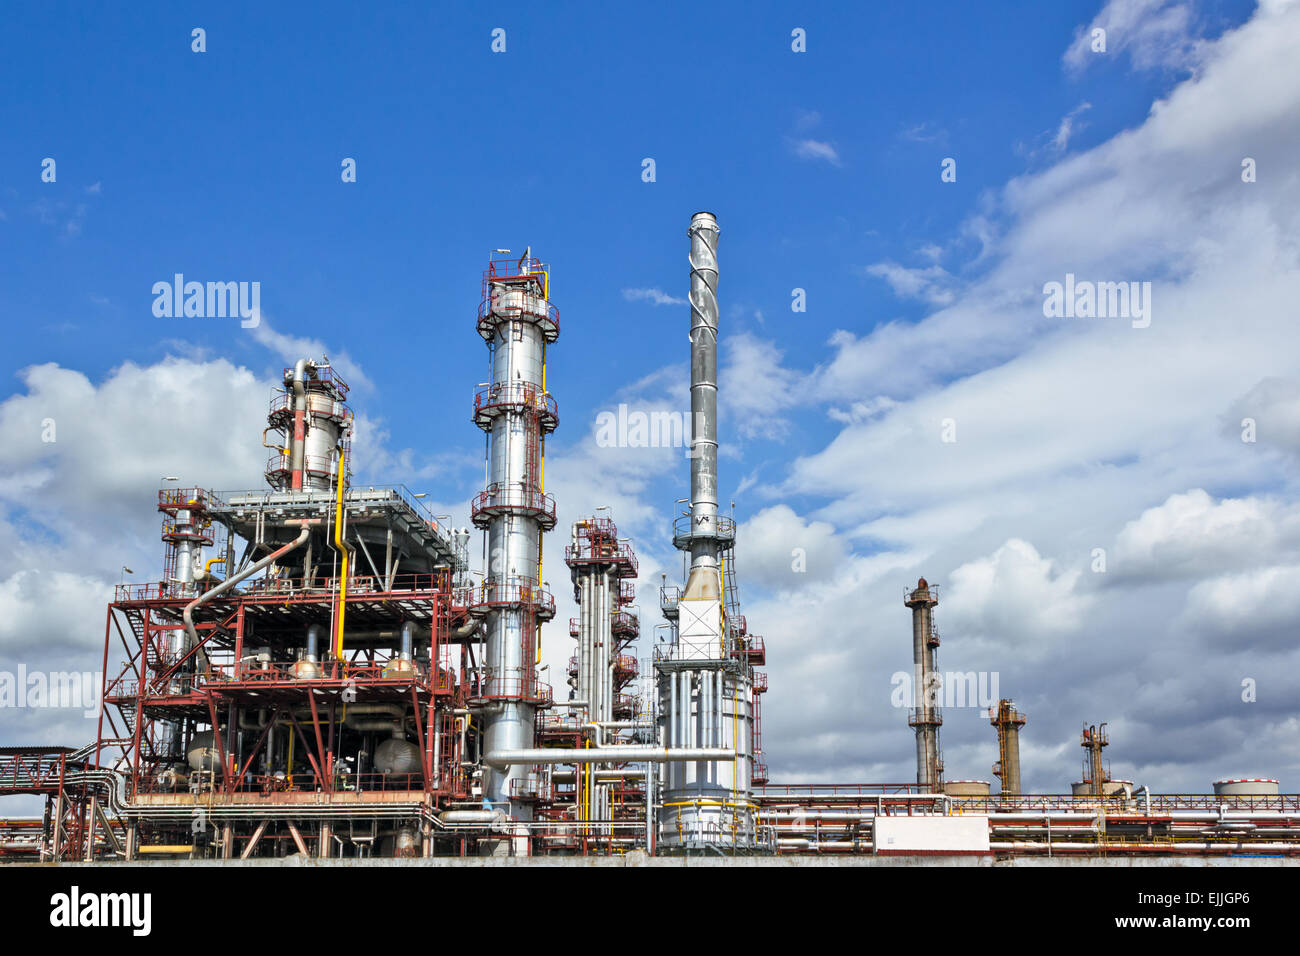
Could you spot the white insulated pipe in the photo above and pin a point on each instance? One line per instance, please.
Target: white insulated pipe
(188, 614)
(623, 754)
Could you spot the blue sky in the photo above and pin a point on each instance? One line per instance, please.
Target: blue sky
(226, 164)
(824, 170)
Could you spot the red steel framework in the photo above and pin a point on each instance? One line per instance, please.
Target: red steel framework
(154, 688)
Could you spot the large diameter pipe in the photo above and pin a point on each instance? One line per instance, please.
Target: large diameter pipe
(188, 614)
(628, 754)
(703, 233)
(297, 444)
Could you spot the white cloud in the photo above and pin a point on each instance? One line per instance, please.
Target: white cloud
(1016, 595)
(1154, 33)
(1192, 535)
(1069, 126)
(931, 284)
(1250, 610)
(290, 348)
(783, 552)
(1072, 436)
(755, 387)
(653, 296)
(817, 150)
(1271, 409)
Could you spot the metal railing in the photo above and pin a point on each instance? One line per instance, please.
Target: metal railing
(514, 686)
(684, 530)
(531, 308)
(489, 400)
(526, 593)
(515, 500)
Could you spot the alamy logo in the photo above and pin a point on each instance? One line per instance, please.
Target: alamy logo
(74, 909)
(945, 689)
(1098, 300)
(210, 300)
(638, 429)
(39, 689)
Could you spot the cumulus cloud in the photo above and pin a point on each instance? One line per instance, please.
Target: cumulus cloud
(1073, 436)
(755, 387)
(1249, 610)
(1017, 595)
(784, 551)
(1193, 535)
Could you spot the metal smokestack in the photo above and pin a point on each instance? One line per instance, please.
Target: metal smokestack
(924, 716)
(1008, 722)
(703, 581)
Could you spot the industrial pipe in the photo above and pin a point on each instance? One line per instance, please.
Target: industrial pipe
(313, 642)
(703, 233)
(188, 614)
(344, 552)
(480, 817)
(297, 444)
(627, 754)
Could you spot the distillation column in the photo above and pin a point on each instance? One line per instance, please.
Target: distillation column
(704, 685)
(925, 715)
(517, 321)
(1094, 740)
(599, 565)
(1008, 722)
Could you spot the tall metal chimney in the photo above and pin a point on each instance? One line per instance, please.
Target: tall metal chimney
(704, 581)
(705, 683)
(925, 716)
(1008, 722)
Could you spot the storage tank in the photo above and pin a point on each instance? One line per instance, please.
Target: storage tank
(966, 788)
(1111, 788)
(397, 755)
(1246, 787)
(202, 752)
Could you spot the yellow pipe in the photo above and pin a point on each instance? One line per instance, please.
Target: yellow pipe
(289, 778)
(338, 543)
(165, 848)
(207, 567)
(586, 809)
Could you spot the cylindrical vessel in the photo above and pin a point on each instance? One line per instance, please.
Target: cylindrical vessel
(707, 803)
(517, 321)
(396, 755)
(1246, 787)
(925, 717)
(966, 788)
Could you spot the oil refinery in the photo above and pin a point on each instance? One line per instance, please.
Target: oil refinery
(324, 671)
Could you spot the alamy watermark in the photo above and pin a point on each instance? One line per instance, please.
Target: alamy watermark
(210, 300)
(1083, 299)
(42, 689)
(638, 429)
(946, 689)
